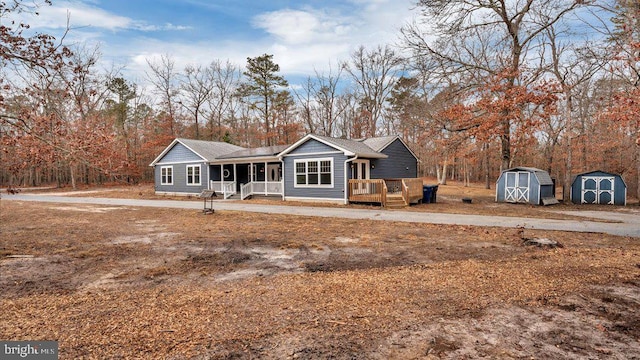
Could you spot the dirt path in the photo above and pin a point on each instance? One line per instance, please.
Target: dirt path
(624, 225)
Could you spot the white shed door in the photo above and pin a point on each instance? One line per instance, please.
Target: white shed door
(517, 186)
(597, 189)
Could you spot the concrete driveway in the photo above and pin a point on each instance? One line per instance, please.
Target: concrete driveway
(628, 223)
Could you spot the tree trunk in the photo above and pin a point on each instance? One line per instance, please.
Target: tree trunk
(73, 176)
(442, 178)
(505, 145)
(487, 179)
(566, 188)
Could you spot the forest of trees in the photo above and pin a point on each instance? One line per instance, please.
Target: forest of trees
(472, 86)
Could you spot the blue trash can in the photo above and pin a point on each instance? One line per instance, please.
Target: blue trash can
(426, 194)
(429, 193)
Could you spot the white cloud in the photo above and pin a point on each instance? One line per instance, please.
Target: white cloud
(79, 15)
(302, 26)
(302, 40)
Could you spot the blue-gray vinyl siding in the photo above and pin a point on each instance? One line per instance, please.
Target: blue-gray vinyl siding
(312, 146)
(399, 164)
(619, 187)
(309, 150)
(180, 179)
(178, 157)
(179, 153)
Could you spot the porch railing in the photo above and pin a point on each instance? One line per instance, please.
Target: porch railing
(245, 191)
(261, 188)
(376, 190)
(229, 189)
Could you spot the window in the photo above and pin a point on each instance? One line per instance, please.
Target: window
(166, 175)
(193, 174)
(316, 173)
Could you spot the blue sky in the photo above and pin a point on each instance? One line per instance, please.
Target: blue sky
(303, 35)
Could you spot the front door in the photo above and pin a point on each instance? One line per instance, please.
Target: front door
(360, 171)
(274, 173)
(597, 189)
(517, 187)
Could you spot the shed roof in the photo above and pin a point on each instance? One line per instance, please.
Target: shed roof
(543, 177)
(599, 171)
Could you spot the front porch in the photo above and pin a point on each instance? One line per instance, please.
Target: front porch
(386, 192)
(246, 179)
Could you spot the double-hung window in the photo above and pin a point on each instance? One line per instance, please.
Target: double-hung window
(193, 174)
(314, 172)
(166, 175)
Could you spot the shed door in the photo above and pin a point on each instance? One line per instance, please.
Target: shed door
(517, 186)
(598, 189)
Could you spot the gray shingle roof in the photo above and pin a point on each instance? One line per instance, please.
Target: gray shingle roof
(210, 150)
(357, 147)
(543, 177)
(255, 152)
(379, 143)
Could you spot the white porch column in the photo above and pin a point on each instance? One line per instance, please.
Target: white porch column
(266, 178)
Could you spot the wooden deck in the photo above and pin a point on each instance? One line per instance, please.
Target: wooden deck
(379, 191)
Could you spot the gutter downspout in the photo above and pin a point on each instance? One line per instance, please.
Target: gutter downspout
(346, 180)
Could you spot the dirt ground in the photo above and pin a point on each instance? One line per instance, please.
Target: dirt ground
(449, 200)
(120, 283)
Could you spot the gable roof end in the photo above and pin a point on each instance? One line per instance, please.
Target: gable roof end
(206, 150)
(347, 146)
(382, 142)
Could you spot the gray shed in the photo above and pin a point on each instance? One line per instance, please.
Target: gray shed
(525, 185)
(599, 187)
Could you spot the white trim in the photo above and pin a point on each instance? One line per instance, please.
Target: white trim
(173, 193)
(306, 161)
(168, 148)
(186, 173)
(166, 167)
(181, 162)
(310, 199)
(315, 153)
(311, 136)
(245, 160)
(367, 172)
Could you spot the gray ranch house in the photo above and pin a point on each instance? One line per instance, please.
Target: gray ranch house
(315, 168)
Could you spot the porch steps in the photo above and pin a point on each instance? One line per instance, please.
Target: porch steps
(395, 201)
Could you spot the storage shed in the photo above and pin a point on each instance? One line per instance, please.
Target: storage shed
(525, 185)
(599, 187)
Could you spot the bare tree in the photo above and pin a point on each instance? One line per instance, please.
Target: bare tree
(375, 73)
(197, 86)
(225, 79)
(165, 80)
(484, 37)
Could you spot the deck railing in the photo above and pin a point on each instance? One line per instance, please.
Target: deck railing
(413, 190)
(376, 190)
(373, 190)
